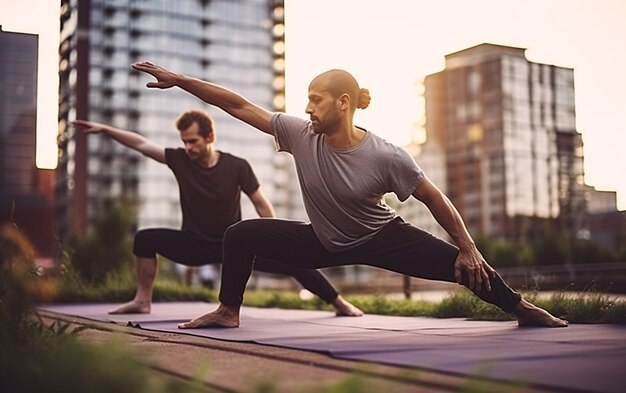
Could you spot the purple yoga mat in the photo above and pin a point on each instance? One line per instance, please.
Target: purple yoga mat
(580, 358)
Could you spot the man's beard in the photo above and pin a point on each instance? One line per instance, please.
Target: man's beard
(316, 125)
(320, 127)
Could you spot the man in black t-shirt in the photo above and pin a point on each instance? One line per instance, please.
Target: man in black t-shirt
(210, 184)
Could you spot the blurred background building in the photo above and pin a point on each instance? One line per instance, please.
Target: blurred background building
(502, 144)
(238, 44)
(607, 225)
(26, 194)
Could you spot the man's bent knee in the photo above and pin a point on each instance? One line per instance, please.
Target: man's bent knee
(144, 241)
(241, 231)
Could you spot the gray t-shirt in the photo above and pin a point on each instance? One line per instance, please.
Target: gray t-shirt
(343, 189)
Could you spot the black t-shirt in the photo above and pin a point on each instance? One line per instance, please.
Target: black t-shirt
(210, 197)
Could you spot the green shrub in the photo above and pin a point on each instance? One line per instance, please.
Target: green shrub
(35, 357)
(550, 250)
(107, 248)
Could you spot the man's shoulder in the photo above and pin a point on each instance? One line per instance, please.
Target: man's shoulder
(175, 150)
(233, 159)
(290, 121)
(379, 143)
(230, 156)
(174, 153)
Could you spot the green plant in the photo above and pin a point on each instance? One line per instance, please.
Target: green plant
(20, 284)
(50, 358)
(107, 247)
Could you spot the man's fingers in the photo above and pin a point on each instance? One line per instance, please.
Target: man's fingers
(141, 64)
(486, 281)
(82, 125)
(159, 73)
(472, 280)
(145, 66)
(479, 280)
(160, 85)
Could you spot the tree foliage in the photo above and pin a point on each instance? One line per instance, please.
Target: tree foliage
(547, 250)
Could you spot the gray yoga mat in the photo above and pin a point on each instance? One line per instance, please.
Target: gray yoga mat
(580, 358)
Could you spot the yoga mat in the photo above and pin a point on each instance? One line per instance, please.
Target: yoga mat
(579, 358)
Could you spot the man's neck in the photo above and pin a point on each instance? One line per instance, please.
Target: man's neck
(210, 159)
(346, 137)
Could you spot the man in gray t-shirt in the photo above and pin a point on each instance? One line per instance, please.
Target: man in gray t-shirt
(344, 171)
(343, 188)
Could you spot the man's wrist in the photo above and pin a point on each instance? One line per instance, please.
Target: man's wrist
(467, 246)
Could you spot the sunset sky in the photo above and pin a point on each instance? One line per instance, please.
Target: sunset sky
(391, 46)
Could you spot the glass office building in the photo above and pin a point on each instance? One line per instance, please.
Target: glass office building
(238, 44)
(26, 197)
(18, 106)
(506, 130)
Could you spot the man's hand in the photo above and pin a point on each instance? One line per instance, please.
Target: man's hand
(477, 269)
(90, 127)
(165, 79)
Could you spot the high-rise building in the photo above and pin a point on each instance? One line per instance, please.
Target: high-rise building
(25, 191)
(505, 128)
(238, 44)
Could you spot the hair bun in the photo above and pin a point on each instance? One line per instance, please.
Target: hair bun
(364, 99)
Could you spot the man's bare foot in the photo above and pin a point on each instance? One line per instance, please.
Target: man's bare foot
(343, 308)
(530, 315)
(133, 307)
(224, 316)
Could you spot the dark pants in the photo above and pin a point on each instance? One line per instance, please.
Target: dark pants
(191, 249)
(399, 247)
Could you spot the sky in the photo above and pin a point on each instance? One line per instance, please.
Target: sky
(391, 46)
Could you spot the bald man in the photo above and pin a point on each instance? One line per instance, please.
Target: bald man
(344, 172)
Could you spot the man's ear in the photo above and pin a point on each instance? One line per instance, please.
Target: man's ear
(344, 102)
(211, 137)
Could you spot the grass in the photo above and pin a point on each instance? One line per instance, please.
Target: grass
(119, 286)
(585, 307)
(588, 308)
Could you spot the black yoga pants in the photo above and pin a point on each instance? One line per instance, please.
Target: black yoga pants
(191, 249)
(399, 247)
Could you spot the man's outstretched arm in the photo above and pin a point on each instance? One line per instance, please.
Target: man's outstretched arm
(127, 138)
(225, 99)
(469, 259)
